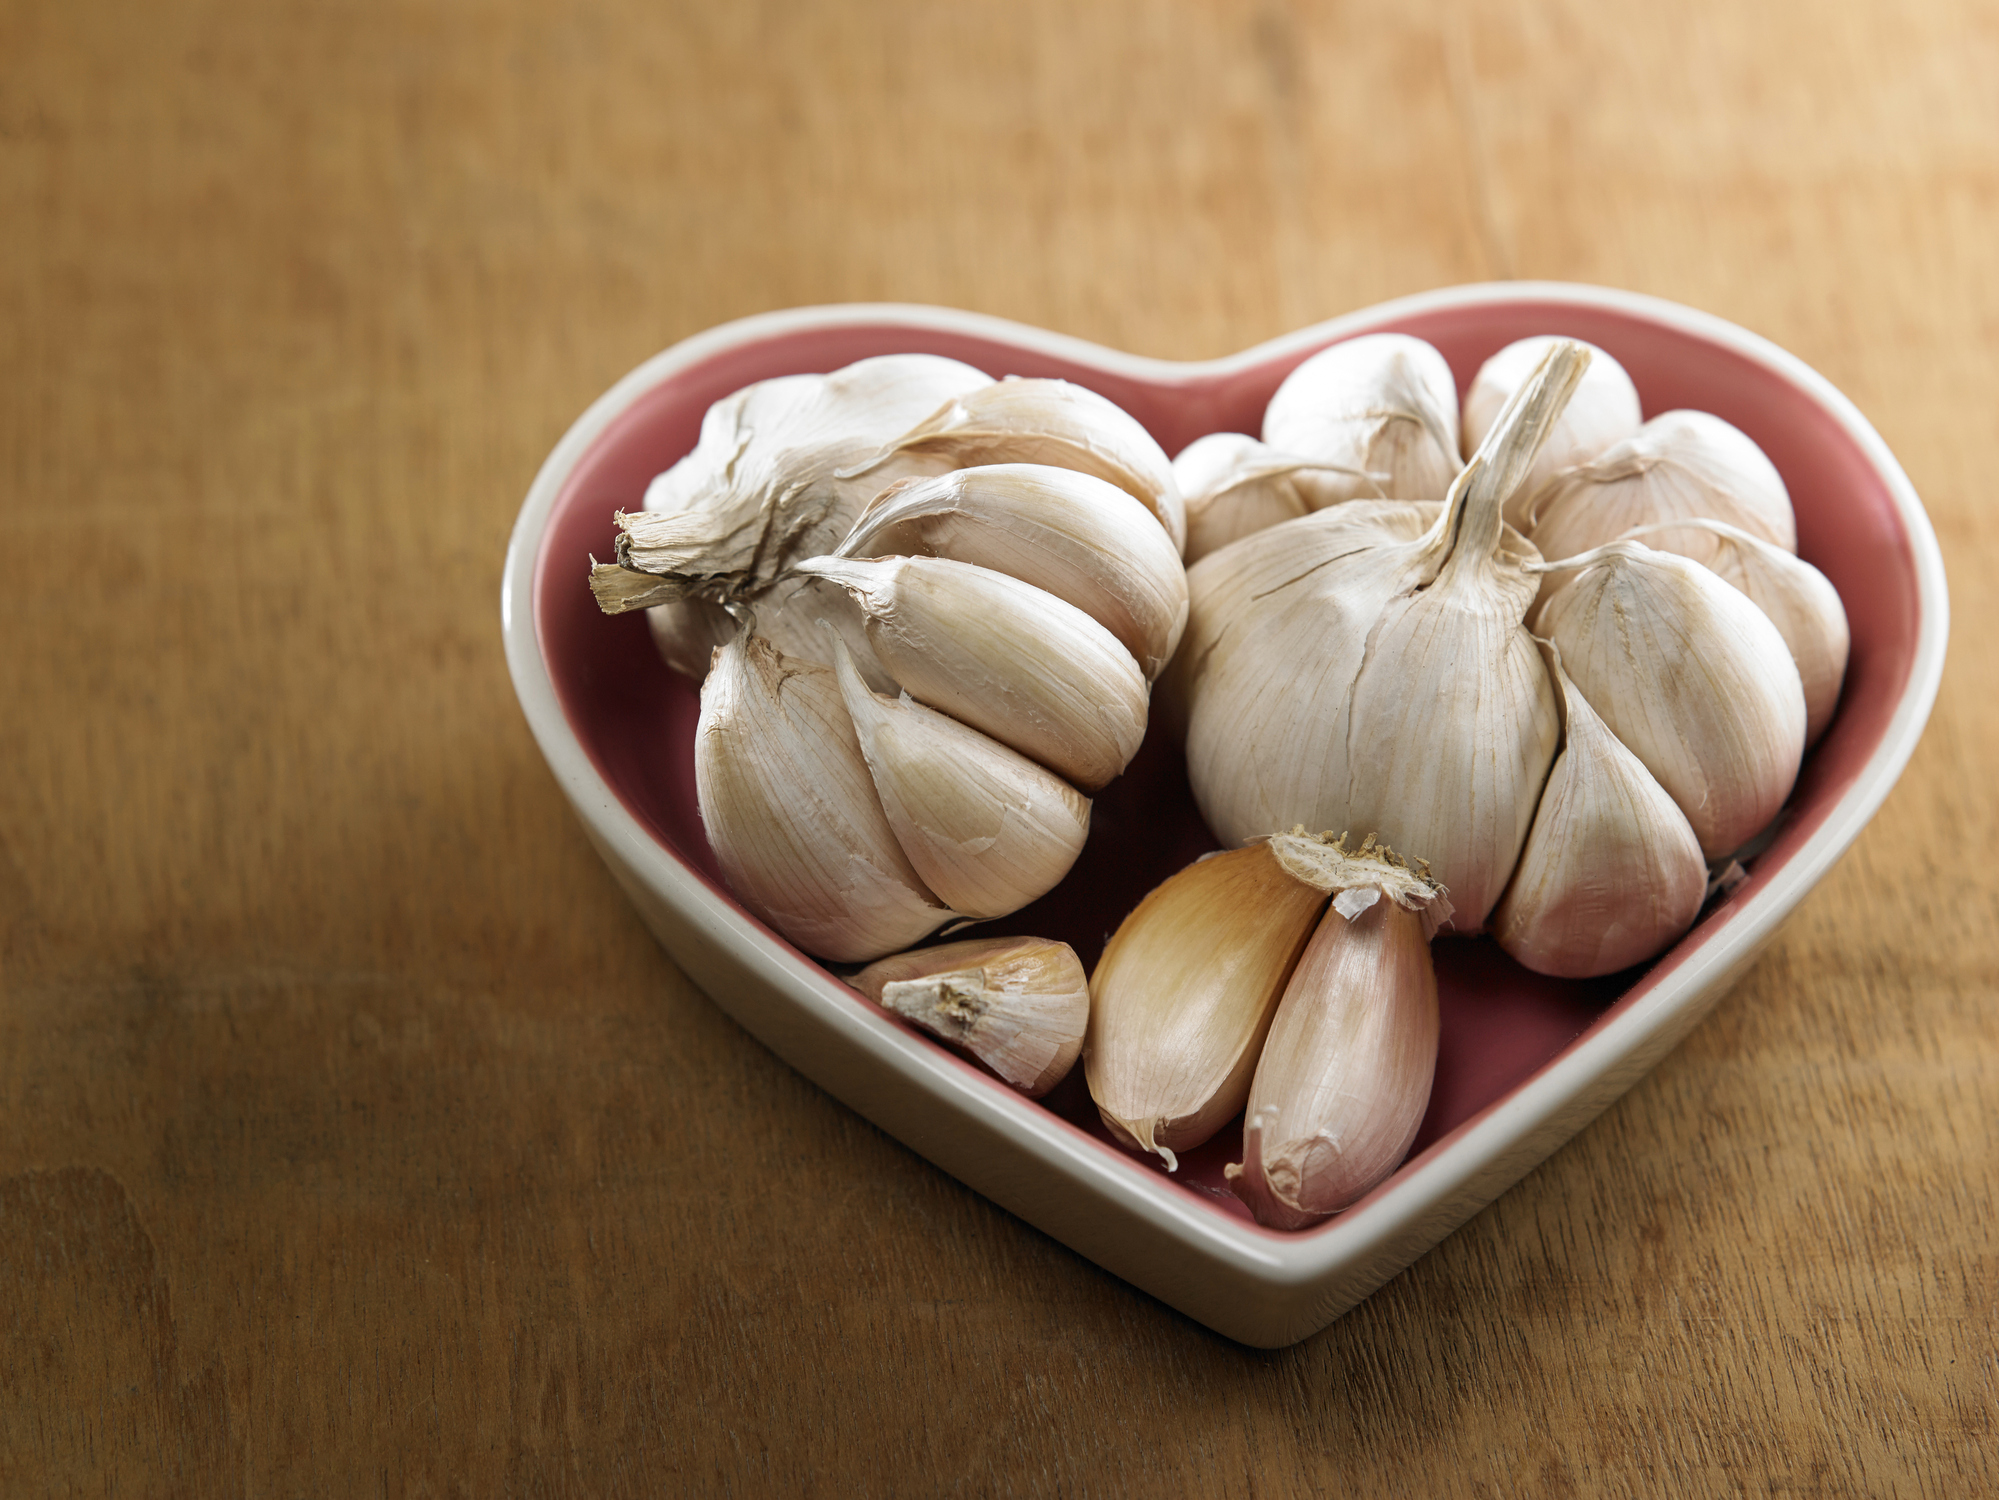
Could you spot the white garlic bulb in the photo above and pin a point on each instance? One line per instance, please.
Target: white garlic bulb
(1234, 485)
(1603, 411)
(1612, 872)
(1691, 676)
(1382, 404)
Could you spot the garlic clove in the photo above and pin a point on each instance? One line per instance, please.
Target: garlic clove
(1347, 1069)
(1033, 672)
(1603, 411)
(1691, 676)
(986, 828)
(1612, 873)
(791, 811)
(1384, 403)
(1042, 422)
(1800, 601)
(1019, 1005)
(1234, 485)
(1073, 535)
(1679, 465)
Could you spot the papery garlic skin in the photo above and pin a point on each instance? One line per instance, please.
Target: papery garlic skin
(1692, 677)
(1348, 1066)
(1234, 485)
(986, 828)
(1603, 411)
(1800, 601)
(1004, 657)
(1679, 465)
(1382, 404)
(791, 812)
(1070, 534)
(1612, 873)
(1019, 1005)
(1017, 421)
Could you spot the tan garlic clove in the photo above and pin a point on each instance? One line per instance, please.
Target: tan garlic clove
(1691, 676)
(1042, 422)
(1000, 655)
(1603, 411)
(1073, 535)
(1382, 404)
(1347, 1069)
(1679, 465)
(986, 828)
(1612, 873)
(1800, 601)
(1234, 485)
(791, 811)
(1019, 1005)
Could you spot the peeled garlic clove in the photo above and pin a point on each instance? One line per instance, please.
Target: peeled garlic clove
(1019, 1005)
(1346, 1071)
(1679, 465)
(1800, 601)
(791, 812)
(1184, 993)
(985, 827)
(1384, 403)
(1073, 535)
(1000, 655)
(1692, 677)
(1603, 411)
(1234, 485)
(1044, 422)
(1612, 873)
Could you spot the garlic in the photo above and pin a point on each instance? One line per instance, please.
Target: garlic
(791, 812)
(1369, 681)
(1073, 535)
(1184, 993)
(1603, 411)
(1800, 601)
(1691, 676)
(1000, 655)
(1347, 1069)
(986, 829)
(1612, 872)
(1019, 1005)
(1041, 422)
(1680, 464)
(1234, 485)
(1384, 403)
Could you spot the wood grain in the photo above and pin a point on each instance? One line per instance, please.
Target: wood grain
(355, 1138)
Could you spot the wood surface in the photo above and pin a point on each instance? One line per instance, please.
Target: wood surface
(355, 1138)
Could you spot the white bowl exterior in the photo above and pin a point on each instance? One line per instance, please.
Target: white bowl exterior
(1250, 1284)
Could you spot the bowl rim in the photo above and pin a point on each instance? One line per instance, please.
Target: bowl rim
(1450, 1168)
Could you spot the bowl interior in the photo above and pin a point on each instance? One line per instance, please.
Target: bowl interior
(1501, 1024)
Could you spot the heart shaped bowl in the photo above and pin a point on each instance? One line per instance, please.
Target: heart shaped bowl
(1525, 1060)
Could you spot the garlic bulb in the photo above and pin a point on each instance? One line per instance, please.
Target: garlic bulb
(1346, 1071)
(1382, 683)
(1019, 1005)
(1800, 601)
(1603, 411)
(1069, 534)
(1002, 656)
(1040, 422)
(1679, 465)
(791, 811)
(1612, 872)
(986, 828)
(1382, 404)
(1184, 993)
(1691, 676)
(1234, 485)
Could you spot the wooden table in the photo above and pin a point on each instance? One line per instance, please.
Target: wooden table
(355, 1137)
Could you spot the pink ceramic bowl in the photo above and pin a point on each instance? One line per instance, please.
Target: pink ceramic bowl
(1526, 1061)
